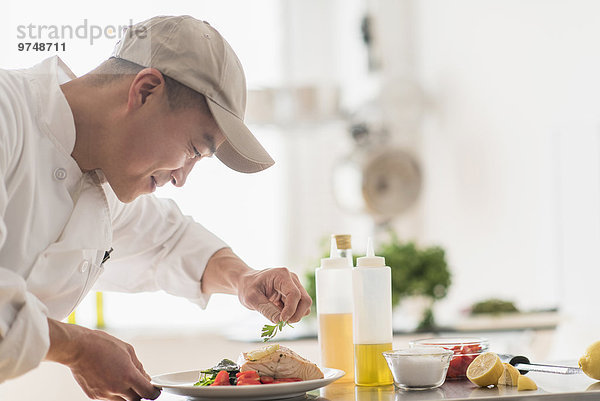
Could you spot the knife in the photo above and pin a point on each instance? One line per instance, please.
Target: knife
(524, 366)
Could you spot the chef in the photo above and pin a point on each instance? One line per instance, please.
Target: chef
(79, 159)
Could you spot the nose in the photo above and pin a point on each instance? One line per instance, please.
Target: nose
(179, 176)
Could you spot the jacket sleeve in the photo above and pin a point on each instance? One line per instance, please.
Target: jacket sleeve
(24, 337)
(156, 247)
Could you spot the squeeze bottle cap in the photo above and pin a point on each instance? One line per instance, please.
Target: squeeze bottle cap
(370, 260)
(333, 261)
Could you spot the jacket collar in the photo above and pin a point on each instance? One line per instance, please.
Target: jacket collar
(54, 111)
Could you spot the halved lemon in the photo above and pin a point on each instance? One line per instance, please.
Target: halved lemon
(510, 376)
(485, 370)
(590, 361)
(526, 383)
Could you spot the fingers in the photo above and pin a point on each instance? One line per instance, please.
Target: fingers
(276, 300)
(292, 296)
(296, 299)
(303, 307)
(269, 310)
(130, 395)
(142, 387)
(138, 364)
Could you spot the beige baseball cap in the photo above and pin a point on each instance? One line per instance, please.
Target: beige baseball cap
(195, 54)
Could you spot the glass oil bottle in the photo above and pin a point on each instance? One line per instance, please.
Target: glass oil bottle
(334, 310)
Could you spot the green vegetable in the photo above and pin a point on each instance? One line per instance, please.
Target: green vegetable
(269, 331)
(205, 381)
(226, 364)
(493, 306)
(208, 376)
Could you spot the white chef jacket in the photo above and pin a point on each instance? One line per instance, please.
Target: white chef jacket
(56, 223)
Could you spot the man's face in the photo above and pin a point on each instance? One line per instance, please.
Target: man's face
(158, 145)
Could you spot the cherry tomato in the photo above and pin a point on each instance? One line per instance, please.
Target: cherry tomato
(222, 379)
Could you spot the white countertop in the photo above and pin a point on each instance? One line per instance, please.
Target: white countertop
(550, 387)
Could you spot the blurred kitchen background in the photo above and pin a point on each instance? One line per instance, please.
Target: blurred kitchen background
(468, 125)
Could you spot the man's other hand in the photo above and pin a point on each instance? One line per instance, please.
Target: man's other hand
(105, 367)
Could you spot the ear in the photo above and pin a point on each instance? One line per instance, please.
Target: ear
(148, 82)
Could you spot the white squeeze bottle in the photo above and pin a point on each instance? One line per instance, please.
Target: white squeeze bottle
(334, 310)
(372, 295)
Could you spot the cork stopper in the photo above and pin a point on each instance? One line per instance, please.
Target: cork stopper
(343, 241)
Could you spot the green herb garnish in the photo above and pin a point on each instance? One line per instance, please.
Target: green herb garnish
(269, 331)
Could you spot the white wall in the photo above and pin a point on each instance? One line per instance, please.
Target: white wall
(510, 148)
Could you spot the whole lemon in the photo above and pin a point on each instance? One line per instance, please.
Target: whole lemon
(590, 361)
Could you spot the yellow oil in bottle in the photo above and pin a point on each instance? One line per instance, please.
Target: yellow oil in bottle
(335, 338)
(370, 368)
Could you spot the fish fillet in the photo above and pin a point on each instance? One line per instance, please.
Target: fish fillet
(281, 363)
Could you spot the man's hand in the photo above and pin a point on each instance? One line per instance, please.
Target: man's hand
(105, 367)
(276, 293)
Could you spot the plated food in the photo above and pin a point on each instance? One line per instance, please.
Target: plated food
(272, 364)
(279, 362)
(270, 372)
(182, 383)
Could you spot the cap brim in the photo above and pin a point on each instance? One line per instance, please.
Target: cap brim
(241, 151)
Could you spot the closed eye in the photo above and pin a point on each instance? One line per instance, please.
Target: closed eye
(196, 153)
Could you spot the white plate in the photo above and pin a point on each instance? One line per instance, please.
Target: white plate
(182, 383)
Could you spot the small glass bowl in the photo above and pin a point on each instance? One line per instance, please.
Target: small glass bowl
(418, 368)
(464, 349)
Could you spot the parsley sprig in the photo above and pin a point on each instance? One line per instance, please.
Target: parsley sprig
(269, 331)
